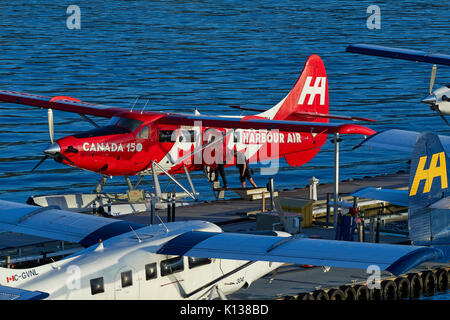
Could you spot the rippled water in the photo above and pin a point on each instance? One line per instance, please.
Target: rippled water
(209, 54)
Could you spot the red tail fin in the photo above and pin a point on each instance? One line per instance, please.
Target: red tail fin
(309, 94)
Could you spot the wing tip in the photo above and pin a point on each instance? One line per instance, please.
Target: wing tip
(355, 129)
(414, 258)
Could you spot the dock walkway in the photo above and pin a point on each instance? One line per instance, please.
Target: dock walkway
(227, 211)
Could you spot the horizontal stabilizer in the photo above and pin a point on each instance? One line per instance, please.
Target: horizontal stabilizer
(247, 108)
(8, 293)
(444, 203)
(347, 254)
(398, 53)
(396, 197)
(398, 140)
(303, 114)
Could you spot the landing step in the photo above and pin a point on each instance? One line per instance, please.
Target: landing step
(253, 193)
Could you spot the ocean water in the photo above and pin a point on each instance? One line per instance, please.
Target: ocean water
(209, 55)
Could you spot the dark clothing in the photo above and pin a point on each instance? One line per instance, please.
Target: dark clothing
(242, 162)
(246, 174)
(220, 170)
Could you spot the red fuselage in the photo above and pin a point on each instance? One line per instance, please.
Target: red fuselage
(132, 141)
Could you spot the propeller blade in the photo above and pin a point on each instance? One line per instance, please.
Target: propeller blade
(442, 116)
(433, 76)
(67, 159)
(39, 163)
(50, 124)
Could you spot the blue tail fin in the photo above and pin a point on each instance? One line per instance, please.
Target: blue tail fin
(428, 183)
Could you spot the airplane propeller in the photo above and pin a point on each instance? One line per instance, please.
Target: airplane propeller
(50, 124)
(40, 162)
(433, 77)
(431, 99)
(52, 151)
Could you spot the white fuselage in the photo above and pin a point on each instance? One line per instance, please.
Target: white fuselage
(125, 267)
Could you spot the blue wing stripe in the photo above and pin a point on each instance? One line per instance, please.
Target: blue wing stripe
(57, 224)
(398, 53)
(109, 231)
(185, 242)
(9, 293)
(413, 259)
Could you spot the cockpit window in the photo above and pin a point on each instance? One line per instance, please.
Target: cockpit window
(102, 131)
(130, 124)
(115, 126)
(166, 136)
(112, 121)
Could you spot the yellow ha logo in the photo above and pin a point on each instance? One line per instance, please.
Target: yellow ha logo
(429, 174)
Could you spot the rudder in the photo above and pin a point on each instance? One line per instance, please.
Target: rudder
(309, 95)
(428, 183)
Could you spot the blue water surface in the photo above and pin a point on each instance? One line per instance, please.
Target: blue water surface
(210, 54)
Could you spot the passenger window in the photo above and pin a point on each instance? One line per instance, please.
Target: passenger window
(97, 286)
(197, 262)
(187, 136)
(127, 279)
(144, 133)
(165, 136)
(172, 265)
(150, 271)
(237, 137)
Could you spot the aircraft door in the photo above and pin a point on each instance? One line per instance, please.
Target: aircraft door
(126, 284)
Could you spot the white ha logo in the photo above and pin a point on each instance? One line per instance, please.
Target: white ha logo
(318, 88)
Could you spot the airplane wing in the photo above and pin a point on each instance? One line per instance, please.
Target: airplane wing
(396, 259)
(74, 105)
(397, 197)
(59, 103)
(264, 124)
(398, 53)
(8, 293)
(398, 140)
(60, 225)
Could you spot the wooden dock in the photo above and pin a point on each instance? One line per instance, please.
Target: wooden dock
(236, 208)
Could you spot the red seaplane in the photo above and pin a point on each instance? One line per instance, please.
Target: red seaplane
(141, 142)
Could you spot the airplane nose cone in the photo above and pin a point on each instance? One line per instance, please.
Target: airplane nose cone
(431, 99)
(52, 149)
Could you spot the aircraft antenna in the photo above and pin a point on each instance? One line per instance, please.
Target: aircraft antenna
(167, 229)
(135, 101)
(148, 99)
(137, 236)
(56, 265)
